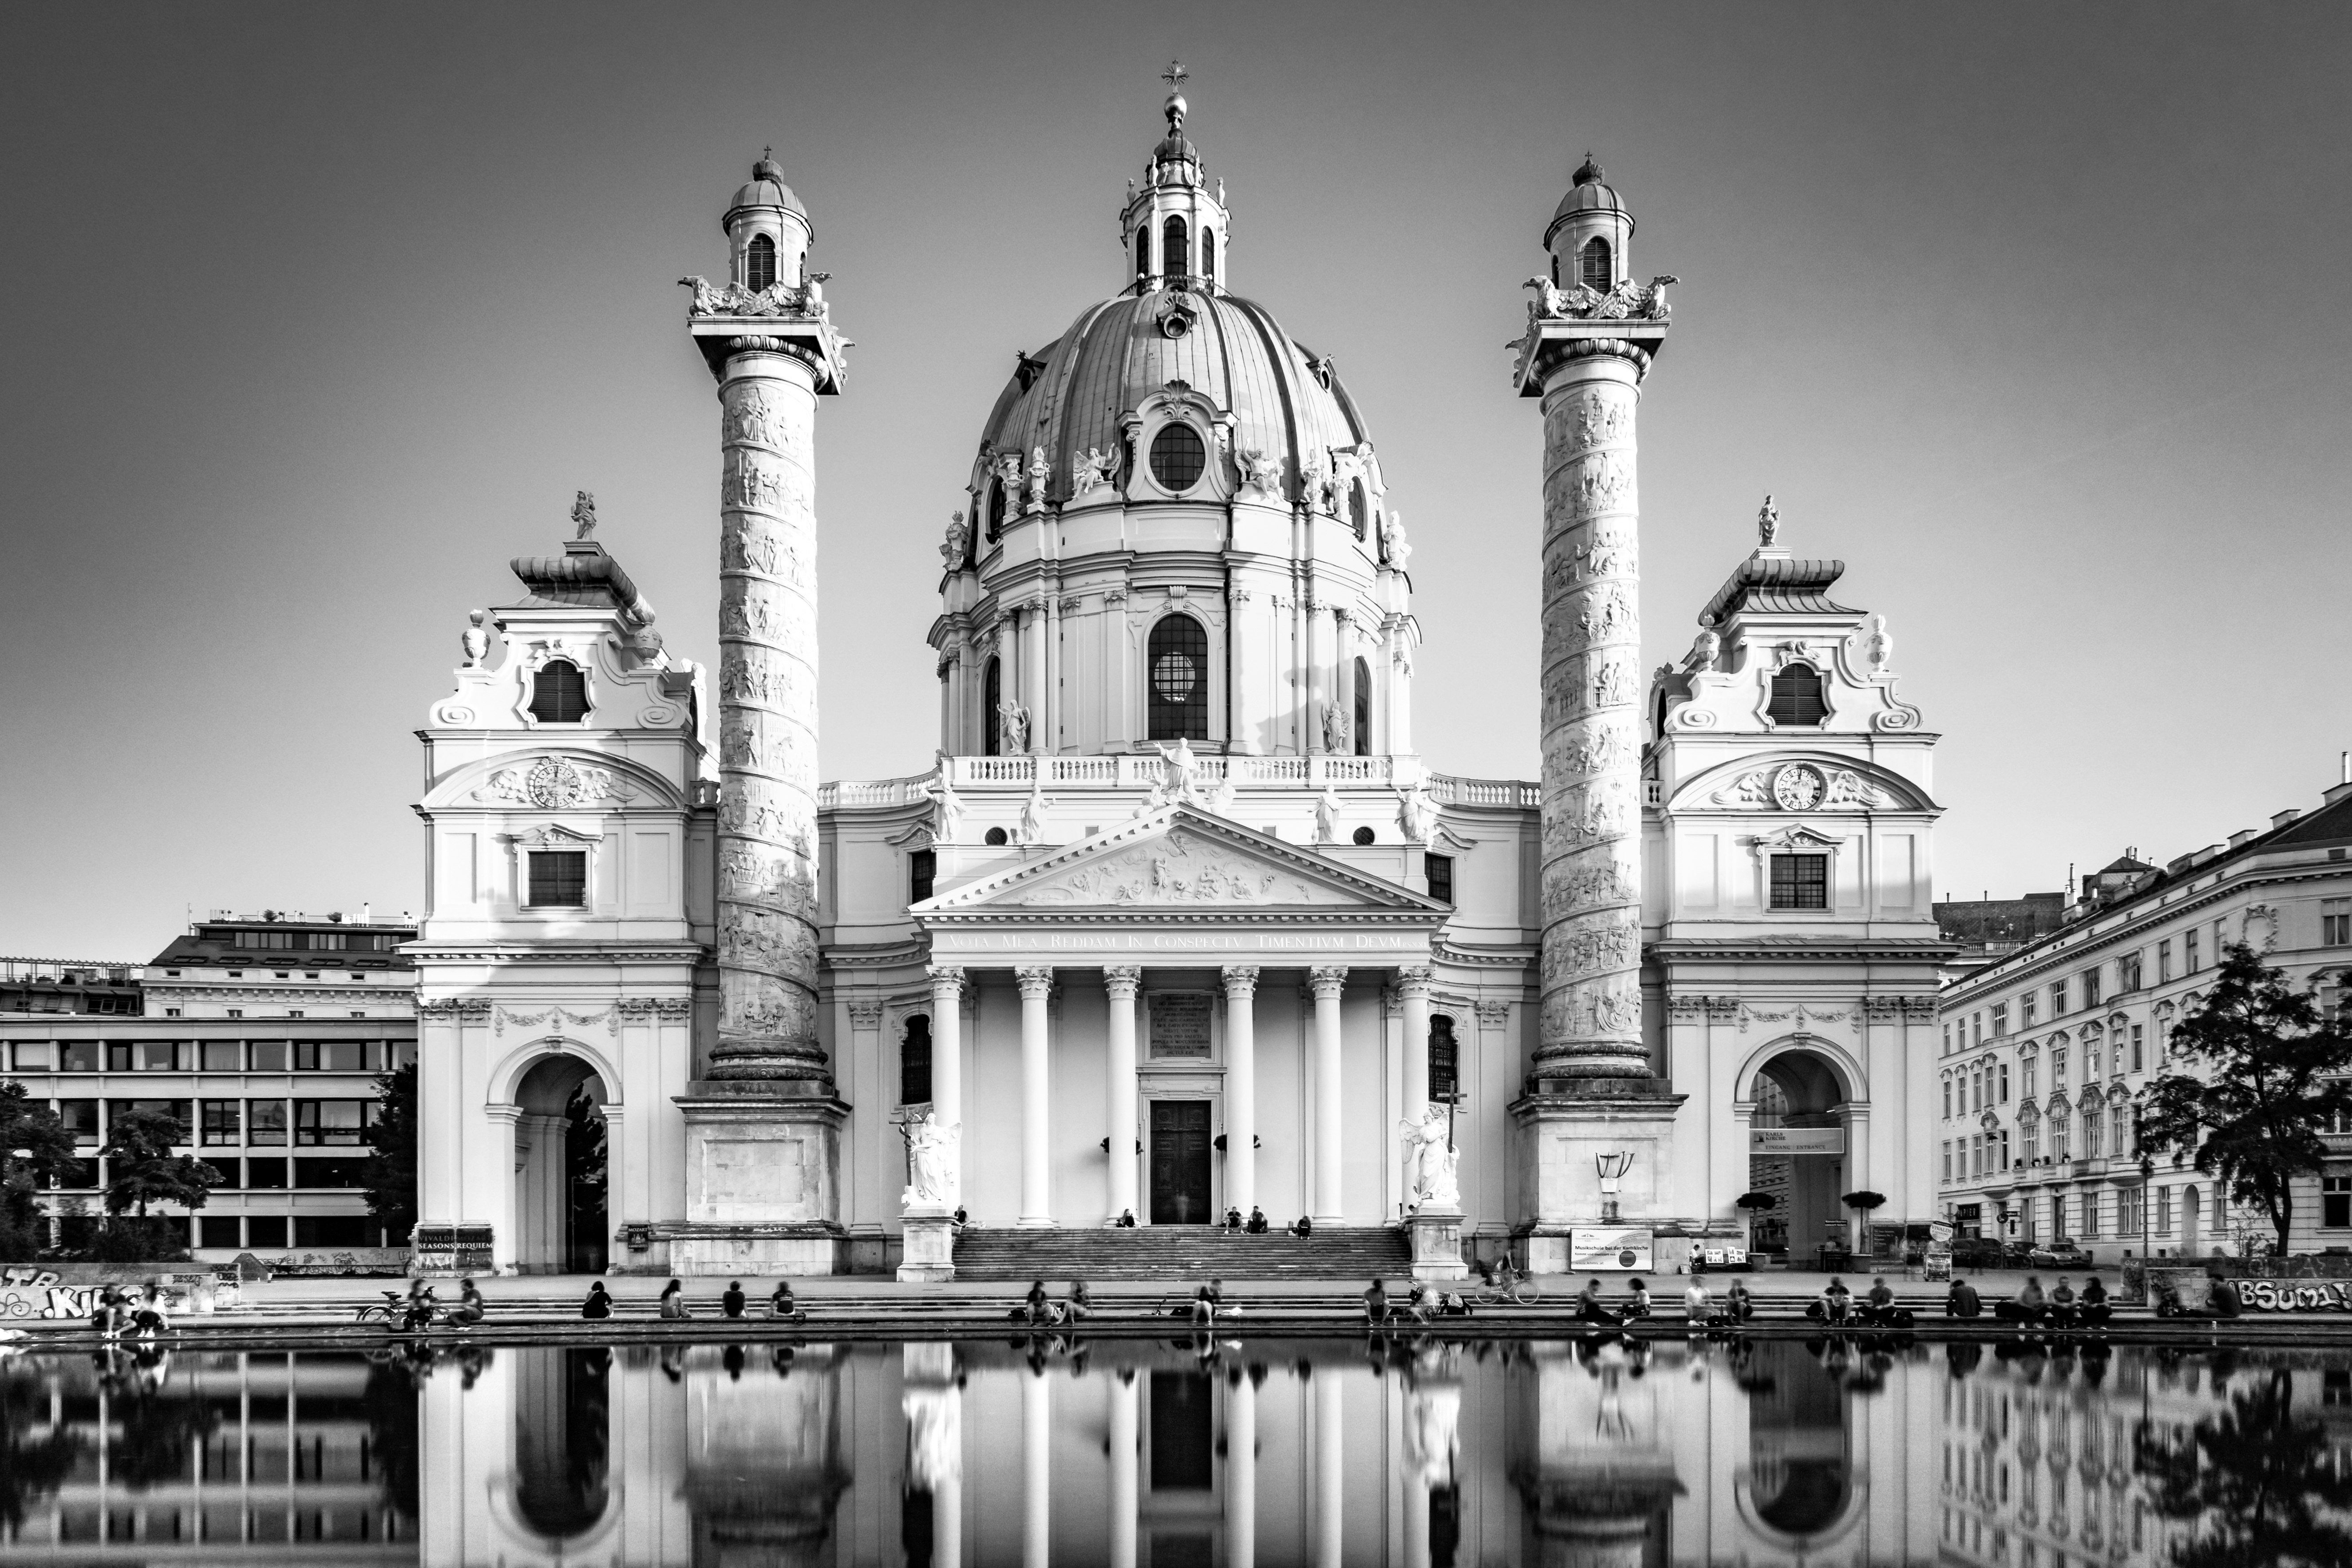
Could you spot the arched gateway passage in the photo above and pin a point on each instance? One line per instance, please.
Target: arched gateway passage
(560, 1169)
(1797, 1155)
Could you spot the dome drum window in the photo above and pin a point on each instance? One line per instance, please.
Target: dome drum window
(1595, 268)
(1175, 249)
(759, 263)
(1176, 674)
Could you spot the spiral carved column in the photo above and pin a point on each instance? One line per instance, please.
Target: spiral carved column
(1592, 1019)
(767, 723)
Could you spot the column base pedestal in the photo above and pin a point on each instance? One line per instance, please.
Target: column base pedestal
(1561, 1133)
(928, 1257)
(763, 1181)
(1437, 1236)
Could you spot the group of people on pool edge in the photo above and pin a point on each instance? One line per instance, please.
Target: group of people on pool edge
(782, 1306)
(2060, 1308)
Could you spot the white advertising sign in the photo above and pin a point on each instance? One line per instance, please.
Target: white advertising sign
(1797, 1140)
(1611, 1247)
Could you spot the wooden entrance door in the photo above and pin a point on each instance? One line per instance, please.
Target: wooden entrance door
(1180, 1162)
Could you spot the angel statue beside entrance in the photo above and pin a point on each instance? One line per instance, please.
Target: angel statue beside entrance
(930, 1163)
(1432, 1161)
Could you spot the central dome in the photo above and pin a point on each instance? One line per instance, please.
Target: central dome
(1069, 395)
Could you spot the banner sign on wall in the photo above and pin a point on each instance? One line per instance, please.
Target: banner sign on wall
(1611, 1247)
(1797, 1140)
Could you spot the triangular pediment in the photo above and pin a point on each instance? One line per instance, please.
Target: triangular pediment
(1180, 858)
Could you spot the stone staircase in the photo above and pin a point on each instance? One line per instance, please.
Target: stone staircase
(1188, 1253)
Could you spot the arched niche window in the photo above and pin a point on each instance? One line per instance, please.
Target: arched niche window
(558, 693)
(1142, 251)
(1175, 246)
(1363, 714)
(915, 1062)
(1445, 1060)
(759, 262)
(1592, 266)
(1208, 256)
(995, 509)
(992, 698)
(1358, 510)
(1177, 669)
(1797, 697)
(1554, 271)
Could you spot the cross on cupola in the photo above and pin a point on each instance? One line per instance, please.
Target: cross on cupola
(1174, 226)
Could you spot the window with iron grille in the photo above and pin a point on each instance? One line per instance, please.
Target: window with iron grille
(1796, 698)
(759, 262)
(559, 879)
(915, 1062)
(1175, 247)
(1800, 881)
(923, 870)
(1593, 268)
(1445, 1060)
(558, 693)
(1178, 677)
(1178, 457)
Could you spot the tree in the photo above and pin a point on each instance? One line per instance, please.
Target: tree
(390, 1174)
(2257, 1479)
(2270, 1076)
(46, 1148)
(141, 1168)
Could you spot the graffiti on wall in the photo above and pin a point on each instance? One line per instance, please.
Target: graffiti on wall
(27, 1292)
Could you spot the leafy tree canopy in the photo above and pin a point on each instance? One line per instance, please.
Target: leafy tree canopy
(2267, 1075)
(390, 1174)
(141, 1168)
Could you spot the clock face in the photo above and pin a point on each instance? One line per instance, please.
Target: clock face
(1799, 788)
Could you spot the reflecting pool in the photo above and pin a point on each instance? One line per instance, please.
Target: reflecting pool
(1600, 1452)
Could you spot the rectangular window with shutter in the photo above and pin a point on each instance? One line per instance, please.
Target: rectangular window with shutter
(1800, 881)
(1441, 876)
(559, 879)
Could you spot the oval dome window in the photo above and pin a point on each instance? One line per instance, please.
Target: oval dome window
(1178, 457)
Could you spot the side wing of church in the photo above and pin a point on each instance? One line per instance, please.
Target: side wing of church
(1177, 928)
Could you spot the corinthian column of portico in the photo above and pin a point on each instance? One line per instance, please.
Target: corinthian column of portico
(1591, 1017)
(1241, 1086)
(1122, 983)
(947, 1068)
(1036, 1096)
(1328, 983)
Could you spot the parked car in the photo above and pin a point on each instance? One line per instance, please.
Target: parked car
(1978, 1252)
(2059, 1254)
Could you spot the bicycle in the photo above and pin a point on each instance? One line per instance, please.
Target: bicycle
(1507, 1284)
(393, 1312)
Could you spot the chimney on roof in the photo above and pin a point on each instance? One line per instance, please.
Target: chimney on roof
(2241, 837)
(2284, 817)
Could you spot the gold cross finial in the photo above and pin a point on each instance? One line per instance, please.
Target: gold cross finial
(1175, 76)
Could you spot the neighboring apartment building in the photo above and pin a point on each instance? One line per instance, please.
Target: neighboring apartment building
(1988, 929)
(264, 1035)
(66, 985)
(2047, 1051)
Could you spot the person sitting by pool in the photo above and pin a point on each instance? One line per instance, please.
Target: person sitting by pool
(1961, 1301)
(1835, 1304)
(1217, 1298)
(1419, 1305)
(2095, 1306)
(147, 1319)
(673, 1300)
(1041, 1310)
(599, 1304)
(1082, 1303)
(2029, 1306)
(1306, 1226)
(1257, 1225)
(1126, 1219)
(782, 1305)
(1741, 1306)
(1376, 1304)
(422, 1306)
(1204, 1306)
(1589, 1308)
(1232, 1219)
(962, 1219)
(1699, 1307)
(470, 1308)
(2062, 1310)
(731, 1300)
(1639, 1307)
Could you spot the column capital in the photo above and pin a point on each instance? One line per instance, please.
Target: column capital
(947, 979)
(1493, 1015)
(1413, 980)
(866, 1014)
(1327, 979)
(1241, 980)
(1122, 980)
(1035, 981)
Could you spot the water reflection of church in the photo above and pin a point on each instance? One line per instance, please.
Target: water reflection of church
(1144, 1453)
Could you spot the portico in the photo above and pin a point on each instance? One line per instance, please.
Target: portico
(1203, 1005)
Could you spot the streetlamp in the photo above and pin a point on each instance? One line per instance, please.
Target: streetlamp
(1612, 1169)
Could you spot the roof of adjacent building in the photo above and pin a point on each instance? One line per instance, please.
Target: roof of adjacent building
(214, 943)
(1069, 395)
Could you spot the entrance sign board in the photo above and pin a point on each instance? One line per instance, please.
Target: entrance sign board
(1797, 1140)
(1611, 1247)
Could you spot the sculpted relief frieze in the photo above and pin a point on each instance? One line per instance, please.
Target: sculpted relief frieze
(1803, 786)
(552, 783)
(1176, 870)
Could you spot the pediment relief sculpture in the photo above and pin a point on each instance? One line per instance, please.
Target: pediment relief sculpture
(1178, 870)
(1803, 786)
(552, 783)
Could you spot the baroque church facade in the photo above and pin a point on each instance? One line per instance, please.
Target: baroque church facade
(1177, 921)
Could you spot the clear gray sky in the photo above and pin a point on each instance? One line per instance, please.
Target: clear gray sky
(2037, 316)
